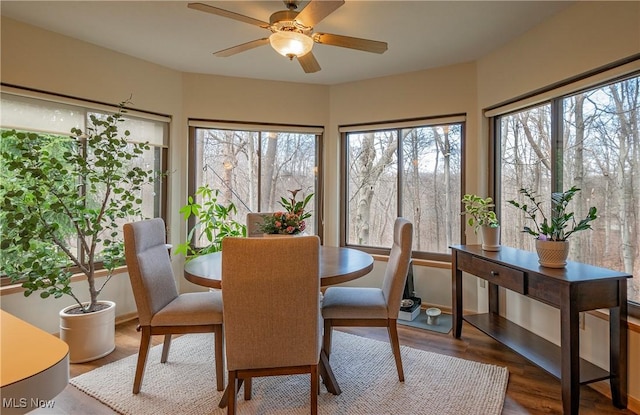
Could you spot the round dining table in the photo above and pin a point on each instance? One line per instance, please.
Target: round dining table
(337, 265)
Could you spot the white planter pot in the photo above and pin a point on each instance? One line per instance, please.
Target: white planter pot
(90, 336)
(490, 238)
(552, 254)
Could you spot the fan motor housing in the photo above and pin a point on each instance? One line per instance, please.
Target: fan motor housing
(285, 20)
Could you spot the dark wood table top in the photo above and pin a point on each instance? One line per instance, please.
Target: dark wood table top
(337, 265)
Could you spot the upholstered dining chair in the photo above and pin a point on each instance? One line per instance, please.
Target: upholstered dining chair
(373, 307)
(254, 220)
(161, 310)
(271, 293)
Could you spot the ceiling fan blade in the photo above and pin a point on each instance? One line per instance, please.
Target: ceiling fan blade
(241, 48)
(309, 63)
(350, 42)
(316, 10)
(226, 13)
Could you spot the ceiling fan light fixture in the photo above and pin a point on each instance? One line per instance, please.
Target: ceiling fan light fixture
(291, 44)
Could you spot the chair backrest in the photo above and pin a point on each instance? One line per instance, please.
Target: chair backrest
(149, 266)
(395, 275)
(254, 220)
(271, 296)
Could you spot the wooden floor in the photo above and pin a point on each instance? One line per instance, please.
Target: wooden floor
(530, 389)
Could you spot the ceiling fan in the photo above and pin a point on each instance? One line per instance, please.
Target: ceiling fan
(292, 32)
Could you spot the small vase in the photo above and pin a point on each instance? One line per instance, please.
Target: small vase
(490, 238)
(552, 254)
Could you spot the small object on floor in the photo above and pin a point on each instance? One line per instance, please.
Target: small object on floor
(444, 324)
(433, 315)
(409, 308)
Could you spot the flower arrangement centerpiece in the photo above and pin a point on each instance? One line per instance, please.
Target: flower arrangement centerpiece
(291, 221)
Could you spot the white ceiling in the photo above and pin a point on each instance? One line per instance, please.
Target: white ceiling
(420, 34)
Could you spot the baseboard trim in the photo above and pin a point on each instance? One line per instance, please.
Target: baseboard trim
(603, 387)
(123, 318)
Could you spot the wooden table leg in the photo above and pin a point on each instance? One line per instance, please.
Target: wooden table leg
(570, 353)
(326, 373)
(618, 348)
(456, 307)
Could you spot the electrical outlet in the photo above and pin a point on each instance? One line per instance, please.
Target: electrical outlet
(581, 318)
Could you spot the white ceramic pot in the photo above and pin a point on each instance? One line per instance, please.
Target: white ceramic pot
(552, 254)
(490, 238)
(90, 336)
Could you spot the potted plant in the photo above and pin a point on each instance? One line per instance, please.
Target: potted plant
(213, 222)
(481, 216)
(552, 232)
(65, 199)
(291, 221)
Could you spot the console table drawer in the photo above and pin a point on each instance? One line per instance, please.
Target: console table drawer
(501, 275)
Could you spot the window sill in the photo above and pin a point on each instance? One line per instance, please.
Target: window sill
(419, 262)
(632, 322)
(17, 288)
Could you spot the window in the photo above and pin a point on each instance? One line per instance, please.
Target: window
(411, 169)
(595, 145)
(254, 166)
(52, 118)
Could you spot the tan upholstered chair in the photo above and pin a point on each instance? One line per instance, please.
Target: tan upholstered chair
(373, 307)
(161, 310)
(271, 292)
(254, 220)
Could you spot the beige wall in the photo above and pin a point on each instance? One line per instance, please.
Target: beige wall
(46, 61)
(584, 36)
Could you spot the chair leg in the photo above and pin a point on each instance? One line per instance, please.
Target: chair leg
(247, 389)
(232, 401)
(395, 347)
(219, 356)
(165, 348)
(326, 338)
(145, 342)
(314, 389)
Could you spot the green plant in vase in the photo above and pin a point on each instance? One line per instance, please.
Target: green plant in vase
(481, 216)
(65, 202)
(561, 224)
(552, 232)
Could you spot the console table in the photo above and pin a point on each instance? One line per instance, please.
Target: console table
(573, 289)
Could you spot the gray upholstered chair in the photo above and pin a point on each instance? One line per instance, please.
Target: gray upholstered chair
(254, 220)
(373, 307)
(161, 310)
(273, 326)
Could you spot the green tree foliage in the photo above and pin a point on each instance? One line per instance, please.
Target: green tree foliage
(63, 202)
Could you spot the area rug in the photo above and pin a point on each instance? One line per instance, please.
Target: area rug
(445, 322)
(364, 368)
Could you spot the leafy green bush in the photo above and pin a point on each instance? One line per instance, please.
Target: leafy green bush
(213, 222)
(63, 202)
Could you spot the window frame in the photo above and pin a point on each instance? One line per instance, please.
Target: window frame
(398, 126)
(554, 95)
(87, 107)
(262, 128)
